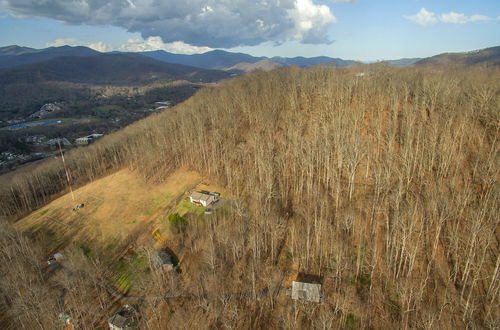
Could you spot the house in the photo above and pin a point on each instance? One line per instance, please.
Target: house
(57, 141)
(88, 139)
(307, 288)
(35, 139)
(164, 103)
(204, 198)
(161, 259)
(82, 141)
(124, 319)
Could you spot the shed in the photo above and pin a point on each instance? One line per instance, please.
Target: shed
(124, 319)
(161, 259)
(307, 288)
(203, 198)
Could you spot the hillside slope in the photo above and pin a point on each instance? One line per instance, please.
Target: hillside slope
(488, 56)
(265, 65)
(384, 187)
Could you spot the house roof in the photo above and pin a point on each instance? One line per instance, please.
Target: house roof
(118, 321)
(124, 318)
(160, 258)
(201, 196)
(306, 291)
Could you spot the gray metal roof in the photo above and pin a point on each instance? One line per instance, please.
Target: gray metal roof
(306, 291)
(159, 258)
(124, 319)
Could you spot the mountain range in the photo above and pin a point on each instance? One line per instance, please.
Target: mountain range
(12, 56)
(222, 60)
(235, 63)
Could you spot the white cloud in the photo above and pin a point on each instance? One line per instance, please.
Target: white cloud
(310, 21)
(63, 42)
(457, 18)
(155, 43)
(209, 23)
(134, 45)
(479, 18)
(99, 46)
(423, 17)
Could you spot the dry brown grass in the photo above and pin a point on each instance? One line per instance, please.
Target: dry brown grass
(116, 206)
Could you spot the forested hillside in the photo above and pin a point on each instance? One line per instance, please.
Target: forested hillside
(384, 185)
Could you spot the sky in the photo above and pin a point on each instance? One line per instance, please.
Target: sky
(365, 30)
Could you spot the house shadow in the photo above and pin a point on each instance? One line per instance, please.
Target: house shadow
(309, 278)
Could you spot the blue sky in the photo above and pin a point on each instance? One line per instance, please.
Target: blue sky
(366, 30)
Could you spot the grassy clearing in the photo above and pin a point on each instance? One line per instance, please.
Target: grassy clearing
(185, 206)
(129, 268)
(115, 207)
(158, 202)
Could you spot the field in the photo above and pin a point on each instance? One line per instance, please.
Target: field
(116, 208)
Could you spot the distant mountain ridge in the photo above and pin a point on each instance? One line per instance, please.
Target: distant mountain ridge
(215, 59)
(488, 56)
(12, 56)
(17, 50)
(116, 69)
(222, 60)
(403, 61)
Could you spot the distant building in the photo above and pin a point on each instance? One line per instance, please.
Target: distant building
(204, 198)
(45, 109)
(35, 139)
(56, 141)
(124, 319)
(88, 139)
(164, 103)
(307, 288)
(161, 259)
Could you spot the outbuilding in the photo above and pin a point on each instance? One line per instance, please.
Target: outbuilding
(124, 319)
(161, 259)
(307, 288)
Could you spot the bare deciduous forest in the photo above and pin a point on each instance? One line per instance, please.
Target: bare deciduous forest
(384, 185)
